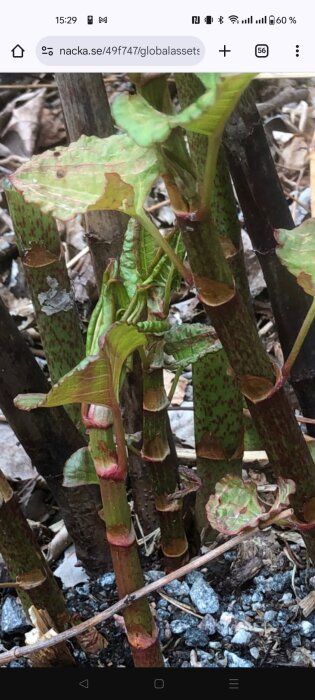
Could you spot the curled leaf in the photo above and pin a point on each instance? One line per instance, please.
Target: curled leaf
(187, 343)
(296, 251)
(236, 505)
(95, 380)
(207, 115)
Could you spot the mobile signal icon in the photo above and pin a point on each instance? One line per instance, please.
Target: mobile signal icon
(249, 20)
(263, 20)
(233, 19)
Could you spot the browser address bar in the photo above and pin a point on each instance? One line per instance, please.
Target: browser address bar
(119, 50)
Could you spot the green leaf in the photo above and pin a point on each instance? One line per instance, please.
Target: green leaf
(79, 469)
(207, 115)
(297, 252)
(235, 506)
(92, 173)
(113, 298)
(96, 379)
(188, 342)
(142, 261)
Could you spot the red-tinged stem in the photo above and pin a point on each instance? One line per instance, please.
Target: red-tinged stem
(110, 464)
(267, 402)
(162, 465)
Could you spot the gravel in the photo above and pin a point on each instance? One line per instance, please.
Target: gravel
(13, 618)
(204, 597)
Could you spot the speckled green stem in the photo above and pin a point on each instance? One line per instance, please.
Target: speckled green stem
(42, 255)
(163, 469)
(268, 404)
(23, 556)
(110, 463)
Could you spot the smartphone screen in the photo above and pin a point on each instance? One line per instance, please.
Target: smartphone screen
(157, 367)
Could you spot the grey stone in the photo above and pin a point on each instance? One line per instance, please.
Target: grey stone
(162, 614)
(270, 615)
(215, 645)
(286, 598)
(257, 597)
(241, 637)
(224, 626)
(204, 597)
(208, 624)
(177, 589)
(13, 618)
(234, 661)
(295, 641)
(254, 652)
(153, 575)
(205, 658)
(162, 603)
(194, 576)
(195, 638)
(307, 629)
(107, 580)
(183, 623)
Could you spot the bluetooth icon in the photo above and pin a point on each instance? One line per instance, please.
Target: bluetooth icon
(221, 19)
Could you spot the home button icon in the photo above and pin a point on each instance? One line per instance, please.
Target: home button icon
(158, 684)
(18, 51)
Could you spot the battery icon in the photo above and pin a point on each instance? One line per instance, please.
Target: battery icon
(272, 19)
(89, 19)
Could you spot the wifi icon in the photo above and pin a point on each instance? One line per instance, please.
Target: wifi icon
(233, 19)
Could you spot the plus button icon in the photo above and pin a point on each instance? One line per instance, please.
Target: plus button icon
(224, 50)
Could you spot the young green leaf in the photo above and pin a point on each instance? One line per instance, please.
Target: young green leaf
(79, 469)
(96, 379)
(188, 342)
(113, 297)
(207, 115)
(91, 173)
(297, 252)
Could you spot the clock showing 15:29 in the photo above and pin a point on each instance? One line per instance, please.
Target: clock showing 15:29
(66, 20)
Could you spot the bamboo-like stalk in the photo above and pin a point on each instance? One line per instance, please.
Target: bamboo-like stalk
(111, 467)
(49, 438)
(24, 557)
(39, 246)
(218, 417)
(265, 208)
(162, 466)
(218, 412)
(267, 401)
(87, 111)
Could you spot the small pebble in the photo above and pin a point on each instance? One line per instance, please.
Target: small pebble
(195, 638)
(13, 618)
(215, 645)
(107, 580)
(183, 623)
(270, 615)
(153, 575)
(205, 658)
(296, 641)
(204, 597)
(208, 624)
(241, 637)
(234, 661)
(307, 629)
(286, 598)
(177, 589)
(194, 576)
(254, 652)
